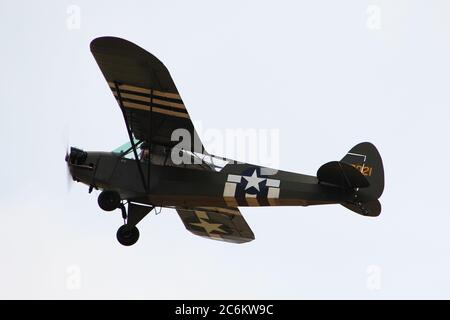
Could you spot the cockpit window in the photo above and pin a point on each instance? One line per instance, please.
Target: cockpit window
(214, 162)
(162, 156)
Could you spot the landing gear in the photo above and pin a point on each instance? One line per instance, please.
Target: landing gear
(127, 235)
(109, 200)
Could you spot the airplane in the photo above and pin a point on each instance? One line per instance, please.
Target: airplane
(165, 165)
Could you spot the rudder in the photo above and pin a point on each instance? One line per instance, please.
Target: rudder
(366, 158)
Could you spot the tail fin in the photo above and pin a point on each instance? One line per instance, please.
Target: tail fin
(367, 160)
(361, 169)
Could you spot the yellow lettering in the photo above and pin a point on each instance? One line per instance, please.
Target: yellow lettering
(365, 170)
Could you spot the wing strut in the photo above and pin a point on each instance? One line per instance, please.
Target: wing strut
(130, 135)
(150, 142)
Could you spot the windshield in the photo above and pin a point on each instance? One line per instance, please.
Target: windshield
(122, 148)
(126, 151)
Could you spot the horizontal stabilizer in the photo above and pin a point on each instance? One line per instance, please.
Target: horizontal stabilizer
(342, 174)
(368, 209)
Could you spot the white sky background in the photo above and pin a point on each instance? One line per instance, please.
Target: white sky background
(321, 72)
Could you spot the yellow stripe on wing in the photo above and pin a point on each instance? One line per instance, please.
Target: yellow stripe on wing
(128, 87)
(149, 100)
(144, 107)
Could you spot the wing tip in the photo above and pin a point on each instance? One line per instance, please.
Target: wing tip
(119, 46)
(109, 41)
(115, 46)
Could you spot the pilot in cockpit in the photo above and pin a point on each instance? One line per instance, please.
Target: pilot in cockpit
(145, 152)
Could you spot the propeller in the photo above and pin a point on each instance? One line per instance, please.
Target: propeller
(69, 179)
(65, 138)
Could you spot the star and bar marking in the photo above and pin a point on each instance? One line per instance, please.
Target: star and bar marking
(252, 189)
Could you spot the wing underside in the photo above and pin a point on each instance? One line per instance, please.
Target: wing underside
(224, 224)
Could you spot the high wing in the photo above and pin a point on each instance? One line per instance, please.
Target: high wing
(145, 91)
(225, 224)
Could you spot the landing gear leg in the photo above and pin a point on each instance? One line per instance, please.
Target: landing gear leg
(124, 213)
(128, 233)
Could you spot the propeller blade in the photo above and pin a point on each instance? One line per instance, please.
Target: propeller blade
(69, 179)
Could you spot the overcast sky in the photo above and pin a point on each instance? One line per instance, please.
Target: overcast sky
(323, 75)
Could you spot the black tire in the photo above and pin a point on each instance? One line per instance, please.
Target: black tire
(109, 200)
(127, 236)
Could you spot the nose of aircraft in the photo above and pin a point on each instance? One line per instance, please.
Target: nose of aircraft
(77, 165)
(76, 156)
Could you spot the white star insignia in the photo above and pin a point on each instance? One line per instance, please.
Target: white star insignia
(253, 181)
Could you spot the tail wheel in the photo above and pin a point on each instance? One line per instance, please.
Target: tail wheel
(127, 235)
(109, 200)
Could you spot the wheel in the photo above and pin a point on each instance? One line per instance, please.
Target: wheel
(109, 200)
(127, 236)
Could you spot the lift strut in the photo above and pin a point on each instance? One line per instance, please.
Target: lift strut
(130, 135)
